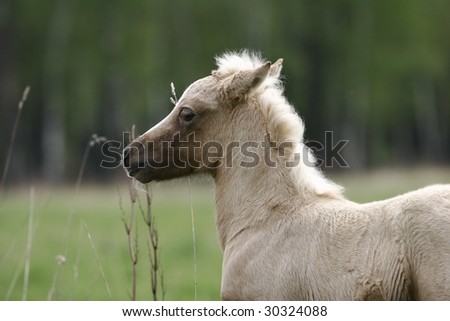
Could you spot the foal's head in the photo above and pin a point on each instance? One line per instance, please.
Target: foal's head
(192, 137)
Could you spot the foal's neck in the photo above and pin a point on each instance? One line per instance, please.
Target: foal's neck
(248, 196)
(251, 187)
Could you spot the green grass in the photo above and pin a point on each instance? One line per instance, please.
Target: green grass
(59, 230)
(60, 216)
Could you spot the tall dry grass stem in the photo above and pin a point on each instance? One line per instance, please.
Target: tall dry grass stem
(13, 138)
(93, 140)
(156, 272)
(14, 279)
(132, 237)
(173, 99)
(130, 224)
(194, 245)
(60, 262)
(61, 258)
(132, 240)
(26, 276)
(76, 263)
(27, 256)
(97, 259)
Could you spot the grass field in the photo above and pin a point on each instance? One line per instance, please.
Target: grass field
(85, 230)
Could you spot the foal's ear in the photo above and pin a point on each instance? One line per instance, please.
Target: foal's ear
(275, 69)
(244, 82)
(258, 75)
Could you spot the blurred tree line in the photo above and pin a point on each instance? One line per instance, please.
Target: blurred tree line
(375, 72)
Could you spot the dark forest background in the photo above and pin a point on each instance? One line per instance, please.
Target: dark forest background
(375, 72)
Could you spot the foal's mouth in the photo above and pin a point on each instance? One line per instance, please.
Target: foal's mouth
(133, 170)
(138, 173)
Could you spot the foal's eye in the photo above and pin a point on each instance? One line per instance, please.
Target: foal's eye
(186, 114)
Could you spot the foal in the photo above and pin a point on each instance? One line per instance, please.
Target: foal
(287, 233)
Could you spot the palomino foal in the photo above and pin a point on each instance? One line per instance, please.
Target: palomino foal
(287, 233)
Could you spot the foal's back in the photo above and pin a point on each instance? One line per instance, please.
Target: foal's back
(396, 249)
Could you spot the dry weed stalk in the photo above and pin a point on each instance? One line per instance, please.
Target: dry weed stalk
(156, 273)
(26, 276)
(14, 279)
(173, 99)
(132, 237)
(194, 245)
(61, 258)
(97, 259)
(93, 140)
(13, 137)
(60, 262)
(130, 224)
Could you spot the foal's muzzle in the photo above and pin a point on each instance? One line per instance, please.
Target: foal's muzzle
(132, 159)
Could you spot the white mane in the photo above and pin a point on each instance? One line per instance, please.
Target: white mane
(284, 124)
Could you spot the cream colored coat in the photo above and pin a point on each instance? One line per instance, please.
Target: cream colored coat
(287, 232)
